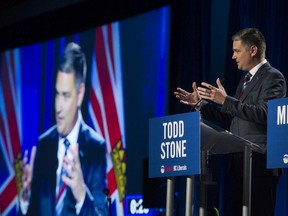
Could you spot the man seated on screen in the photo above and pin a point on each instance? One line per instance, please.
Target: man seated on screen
(69, 172)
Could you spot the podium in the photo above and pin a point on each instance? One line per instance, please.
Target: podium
(202, 139)
(215, 140)
(277, 148)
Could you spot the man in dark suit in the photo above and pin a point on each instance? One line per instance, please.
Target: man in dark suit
(246, 114)
(69, 174)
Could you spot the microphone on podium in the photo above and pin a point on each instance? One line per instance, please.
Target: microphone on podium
(106, 191)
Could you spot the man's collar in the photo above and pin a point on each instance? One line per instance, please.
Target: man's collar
(256, 68)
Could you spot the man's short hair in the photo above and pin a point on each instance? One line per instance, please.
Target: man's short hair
(73, 61)
(250, 37)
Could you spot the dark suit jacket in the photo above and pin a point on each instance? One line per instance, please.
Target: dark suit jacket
(247, 115)
(92, 152)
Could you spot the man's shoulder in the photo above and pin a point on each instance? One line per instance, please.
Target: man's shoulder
(49, 134)
(269, 72)
(90, 135)
(91, 143)
(269, 68)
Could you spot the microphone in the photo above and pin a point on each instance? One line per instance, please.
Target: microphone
(106, 191)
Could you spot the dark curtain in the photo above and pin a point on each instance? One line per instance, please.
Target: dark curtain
(271, 18)
(190, 46)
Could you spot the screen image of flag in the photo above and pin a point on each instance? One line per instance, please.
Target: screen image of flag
(10, 131)
(106, 108)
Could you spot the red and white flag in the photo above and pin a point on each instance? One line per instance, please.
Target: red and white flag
(10, 131)
(106, 108)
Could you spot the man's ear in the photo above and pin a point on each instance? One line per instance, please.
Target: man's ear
(253, 50)
(81, 93)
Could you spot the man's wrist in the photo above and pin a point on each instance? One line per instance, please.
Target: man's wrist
(199, 104)
(79, 204)
(24, 203)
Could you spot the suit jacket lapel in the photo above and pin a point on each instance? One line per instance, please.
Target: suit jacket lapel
(53, 149)
(82, 143)
(254, 81)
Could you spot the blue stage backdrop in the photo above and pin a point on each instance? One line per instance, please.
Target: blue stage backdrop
(127, 68)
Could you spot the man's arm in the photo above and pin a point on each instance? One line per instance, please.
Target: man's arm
(254, 107)
(95, 202)
(87, 168)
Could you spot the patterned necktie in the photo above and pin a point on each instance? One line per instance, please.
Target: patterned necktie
(247, 79)
(62, 186)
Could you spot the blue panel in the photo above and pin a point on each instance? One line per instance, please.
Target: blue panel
(277, 133)
(134, 206)
(49, 74)
(174, 145)
(145, 64)
(31, 67)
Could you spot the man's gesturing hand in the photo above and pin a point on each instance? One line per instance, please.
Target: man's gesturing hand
(27, 175)
(188, 98)
(217, 95)
(75, 180)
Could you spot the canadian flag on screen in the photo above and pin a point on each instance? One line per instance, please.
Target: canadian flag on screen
(106, 109)
(10, 131)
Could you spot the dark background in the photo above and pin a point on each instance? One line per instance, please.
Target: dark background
(200, 39)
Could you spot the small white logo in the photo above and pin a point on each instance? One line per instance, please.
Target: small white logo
(162, 169)
(285, 159)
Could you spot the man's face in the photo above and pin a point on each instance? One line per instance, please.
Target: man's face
(242, 55)
(67, 101)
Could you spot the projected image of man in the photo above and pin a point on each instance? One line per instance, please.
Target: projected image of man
(68, 174)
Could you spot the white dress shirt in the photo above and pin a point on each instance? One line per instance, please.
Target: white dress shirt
(256, 68)
(72, 137)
